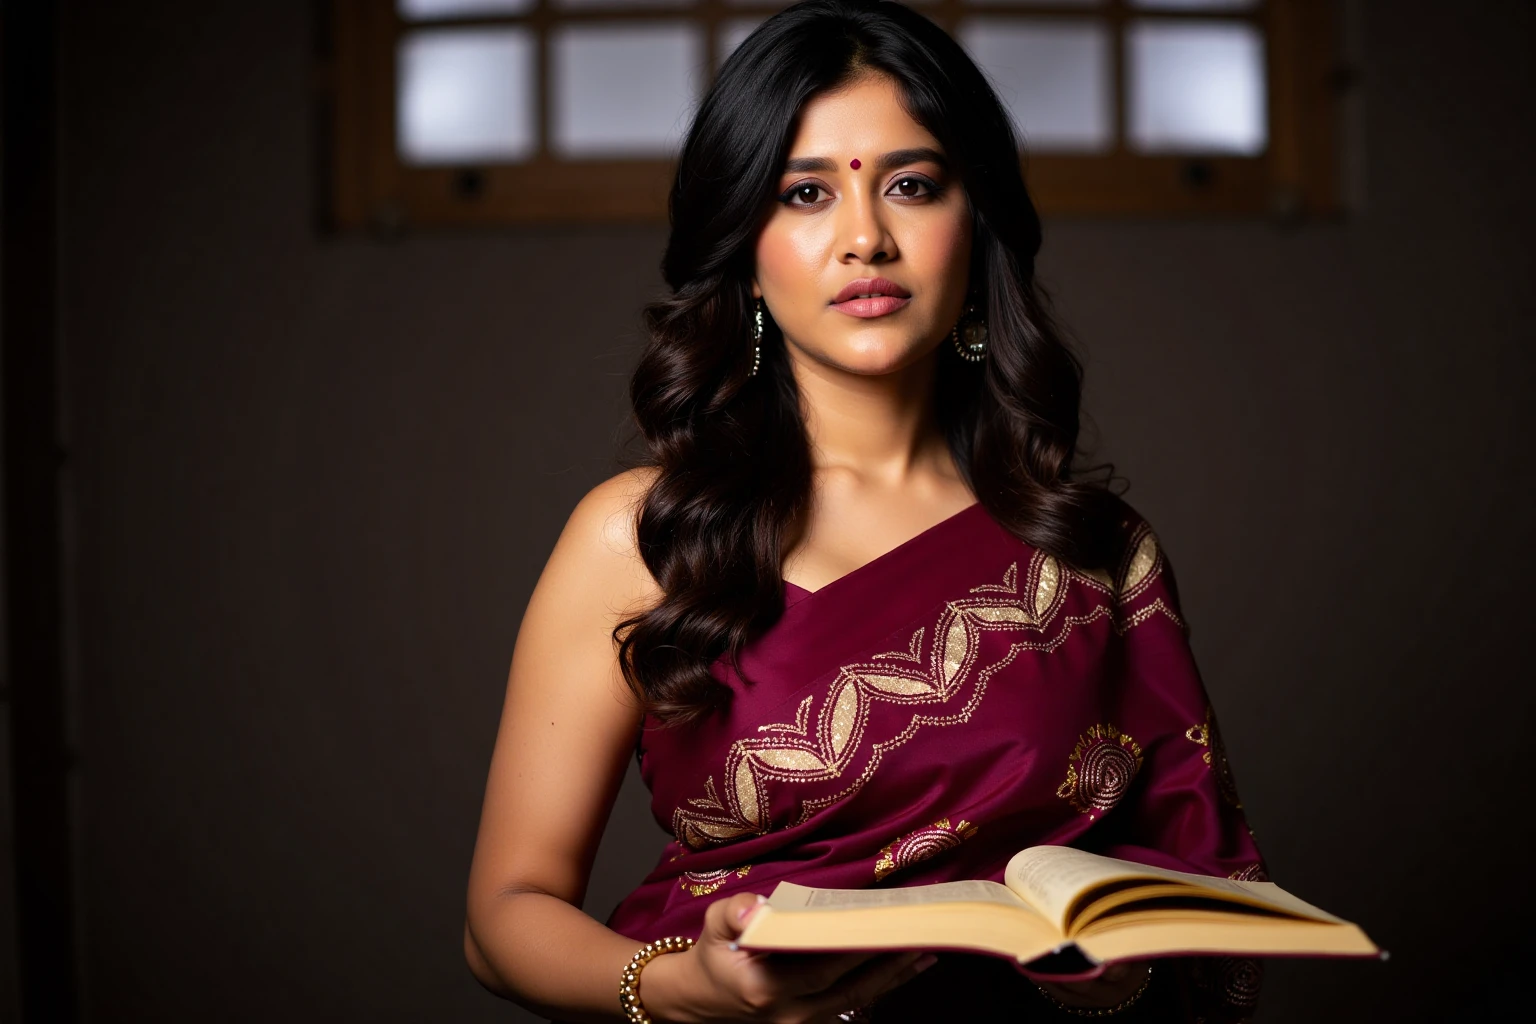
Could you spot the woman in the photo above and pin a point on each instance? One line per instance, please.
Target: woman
(868, 625)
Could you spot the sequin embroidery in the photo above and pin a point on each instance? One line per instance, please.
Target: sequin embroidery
(1252, 873)
(702, 883)
(1100, 769)
(921, 845)
(939, 676)
(826, 743)
(1207, 735)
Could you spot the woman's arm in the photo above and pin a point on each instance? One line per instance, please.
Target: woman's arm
(568, 725)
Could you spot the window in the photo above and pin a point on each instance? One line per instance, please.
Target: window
(466, 112)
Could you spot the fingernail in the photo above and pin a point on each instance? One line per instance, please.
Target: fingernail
(926, 961)
(761, 898)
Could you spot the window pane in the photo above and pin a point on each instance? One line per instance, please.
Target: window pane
(466, 96)
(1052, 75)
(732, 32)
(426, 10)
(1196, 87)
(623, 89)
(1196, 5)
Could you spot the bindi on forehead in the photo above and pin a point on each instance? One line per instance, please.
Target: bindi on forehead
(895, 158)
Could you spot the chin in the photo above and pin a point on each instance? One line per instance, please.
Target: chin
(875, 359)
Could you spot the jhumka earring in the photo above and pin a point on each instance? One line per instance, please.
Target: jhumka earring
(757, 340)
(970, 334)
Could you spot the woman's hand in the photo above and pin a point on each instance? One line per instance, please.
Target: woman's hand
(1117, 984)
(714, 981)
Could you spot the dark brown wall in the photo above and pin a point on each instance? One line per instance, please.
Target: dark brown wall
(318, 477)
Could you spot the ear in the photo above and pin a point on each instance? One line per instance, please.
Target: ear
(757, 290)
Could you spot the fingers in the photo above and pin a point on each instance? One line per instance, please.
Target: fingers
(725, 919)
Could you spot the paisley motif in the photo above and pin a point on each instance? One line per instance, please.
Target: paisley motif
(921, 845)
(1240, 979)
(1101, 769)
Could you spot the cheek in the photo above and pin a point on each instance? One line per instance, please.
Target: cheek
(787, 257)
(945, 246)
(772, 258)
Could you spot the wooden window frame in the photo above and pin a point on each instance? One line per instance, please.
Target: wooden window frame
(367, 186)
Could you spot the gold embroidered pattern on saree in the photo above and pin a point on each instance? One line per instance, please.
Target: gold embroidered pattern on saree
(1139, 566)
(1207, 735)
(938, 675)
(824, 745)
(1100, 770)
(1252, 873)
(1242, 978)
(702, 883)
(918, 846)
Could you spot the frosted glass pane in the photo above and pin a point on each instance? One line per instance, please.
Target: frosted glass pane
(1196, 5)
(1196, 87)
(466, 96)
(623, 89)
(732, 32)
(1054, 77)
(426, 10)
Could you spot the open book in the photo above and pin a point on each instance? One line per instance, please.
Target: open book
(1059, 900)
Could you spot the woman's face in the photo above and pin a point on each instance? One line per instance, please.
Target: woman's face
(865, 195)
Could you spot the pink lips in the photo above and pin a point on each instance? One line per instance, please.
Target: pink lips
(879, 297)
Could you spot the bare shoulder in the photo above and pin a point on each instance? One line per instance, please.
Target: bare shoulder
(597, 553)
(606, 514)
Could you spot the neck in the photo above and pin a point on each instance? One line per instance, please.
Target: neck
(881, 429)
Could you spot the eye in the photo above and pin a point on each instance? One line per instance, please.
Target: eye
(907, 182)
(806, 190)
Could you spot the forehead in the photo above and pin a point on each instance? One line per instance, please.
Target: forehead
(863, 116)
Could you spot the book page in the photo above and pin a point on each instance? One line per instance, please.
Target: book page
(789, 896)
(970, 916)
(1052, 878)
(984, 917)
(1195, 932)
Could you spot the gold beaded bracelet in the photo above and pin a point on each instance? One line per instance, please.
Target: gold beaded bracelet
(1100, 1011)
(629, 980)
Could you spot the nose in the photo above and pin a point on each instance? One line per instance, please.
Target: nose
(862, 233)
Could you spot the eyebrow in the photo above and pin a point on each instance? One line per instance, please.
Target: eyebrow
(895, 158)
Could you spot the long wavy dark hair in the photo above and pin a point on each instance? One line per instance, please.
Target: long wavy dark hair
(733, 462)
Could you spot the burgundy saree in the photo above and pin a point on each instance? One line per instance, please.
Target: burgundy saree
(933, 712)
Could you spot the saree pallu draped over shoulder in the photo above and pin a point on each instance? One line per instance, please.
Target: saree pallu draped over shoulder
(935, 711)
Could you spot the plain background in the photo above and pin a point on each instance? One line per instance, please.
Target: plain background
(316, 479)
